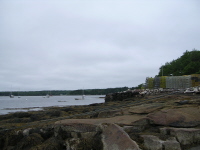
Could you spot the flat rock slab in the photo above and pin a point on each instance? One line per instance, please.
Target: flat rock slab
(120, 120)
(114, 138)
(145, 108)
(179, 117)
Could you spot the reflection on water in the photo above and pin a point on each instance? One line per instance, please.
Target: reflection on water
(35, 103)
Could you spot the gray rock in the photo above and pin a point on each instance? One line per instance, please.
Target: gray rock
(26, 132)
(185, 136)
(180, 117)
(74, 129)
(115, 138)
(72, 144)
(152, 142)
(195, 148)
(171, 144)
(78, 135)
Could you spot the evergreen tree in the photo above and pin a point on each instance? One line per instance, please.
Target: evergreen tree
(188, 63)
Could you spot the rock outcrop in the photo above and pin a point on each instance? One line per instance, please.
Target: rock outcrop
(115, 138)
(178, 117)
(185, 136)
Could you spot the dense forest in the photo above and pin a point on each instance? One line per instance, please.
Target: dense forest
(99, 91)
(188, 63)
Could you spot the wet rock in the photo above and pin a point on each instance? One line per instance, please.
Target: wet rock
(54, 113)
(115, 138)
(10, 138)
(44, 132)
(120, 96)
(29, 141)
(21, 114)
(180, 117)
(50, 144)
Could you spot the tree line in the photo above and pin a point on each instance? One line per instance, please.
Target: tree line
(67, 92)
(188, 63)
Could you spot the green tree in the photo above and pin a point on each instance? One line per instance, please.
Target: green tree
(188, 63)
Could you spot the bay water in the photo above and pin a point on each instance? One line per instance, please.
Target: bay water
(34, 103)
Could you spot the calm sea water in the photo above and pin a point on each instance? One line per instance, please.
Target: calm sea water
(30, 103)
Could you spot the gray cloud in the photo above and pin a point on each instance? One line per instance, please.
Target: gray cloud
(92, 44)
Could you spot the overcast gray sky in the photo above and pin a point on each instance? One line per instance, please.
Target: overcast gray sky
(75, 44)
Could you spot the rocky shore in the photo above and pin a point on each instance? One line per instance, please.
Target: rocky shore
(153, 122)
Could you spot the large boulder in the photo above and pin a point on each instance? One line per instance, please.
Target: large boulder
(179, 117)
(76, 135)
(185, 136)
(152, 142)
(115, 138)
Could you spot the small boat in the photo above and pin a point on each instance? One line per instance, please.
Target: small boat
(18, 95)
(83, 96)
(11, 96)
